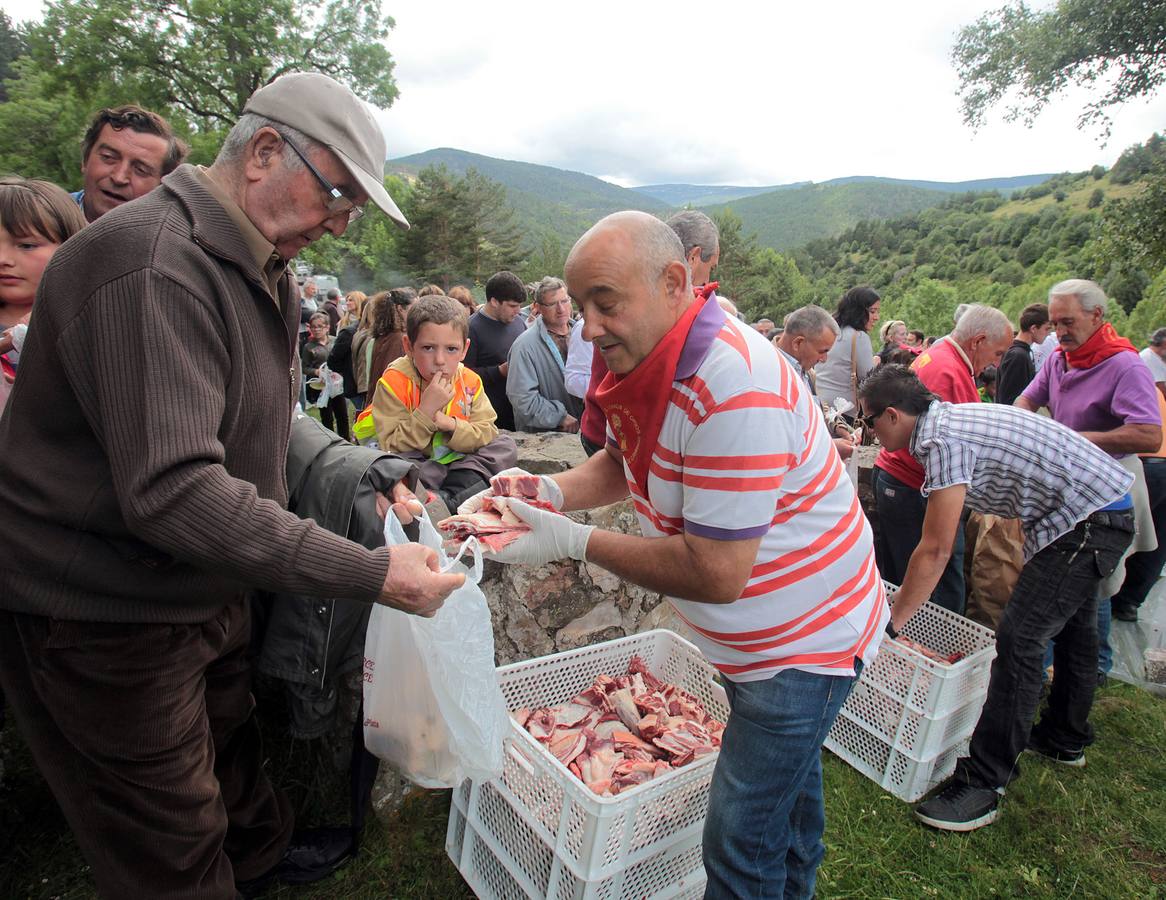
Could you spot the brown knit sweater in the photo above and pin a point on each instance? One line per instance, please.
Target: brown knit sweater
(143, 449)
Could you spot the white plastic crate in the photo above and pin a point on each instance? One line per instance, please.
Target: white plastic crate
(931, 688)
(909, 732)
(568, 834)
(908, 718)
(894, 771)
(502, 858)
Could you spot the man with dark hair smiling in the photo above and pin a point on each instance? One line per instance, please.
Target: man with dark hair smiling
(125, 153)
(1073, 503)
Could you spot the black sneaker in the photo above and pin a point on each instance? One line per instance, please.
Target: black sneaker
(1125, 612)
(959, 806)
(1037, 745)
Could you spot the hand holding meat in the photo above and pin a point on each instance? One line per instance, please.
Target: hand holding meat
(414, 583)
(436, 395)
(516, 483)
(551, 536)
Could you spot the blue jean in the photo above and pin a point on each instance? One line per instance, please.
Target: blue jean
(763, 835)
(1056, 596)
(901, 510)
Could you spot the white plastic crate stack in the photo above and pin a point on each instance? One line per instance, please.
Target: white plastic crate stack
(539, 832)
(908, 719)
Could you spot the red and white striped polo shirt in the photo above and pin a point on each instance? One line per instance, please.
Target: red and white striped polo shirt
(744, 452)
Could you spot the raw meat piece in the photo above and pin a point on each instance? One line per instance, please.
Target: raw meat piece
(515, 486)
(521, 716)
(566, 744)
(624, 706)
(950, 659)
(541, 723)
(572, 714)
(622, 731)
(636, 667)
(494, 524)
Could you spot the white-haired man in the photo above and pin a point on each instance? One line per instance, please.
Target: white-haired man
(807, 336)
(748, 523)
(1096, 384)
(145, 506)
(948, 369)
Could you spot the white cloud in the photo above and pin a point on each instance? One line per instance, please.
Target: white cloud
(730, 92)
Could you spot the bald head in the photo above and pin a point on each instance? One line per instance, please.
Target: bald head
(648, 240)
(629, 276)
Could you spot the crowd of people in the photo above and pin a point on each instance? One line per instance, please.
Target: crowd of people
(172, 344)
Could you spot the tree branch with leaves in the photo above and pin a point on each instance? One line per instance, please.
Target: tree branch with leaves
(1021, 58)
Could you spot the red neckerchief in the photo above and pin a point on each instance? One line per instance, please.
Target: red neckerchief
(635, 403)
(1104, 343)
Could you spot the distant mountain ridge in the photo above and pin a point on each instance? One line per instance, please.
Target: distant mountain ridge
(546, 199)
(563, 203)
(714, 194)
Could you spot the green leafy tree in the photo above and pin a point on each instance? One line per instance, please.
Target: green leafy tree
(12, 46)
(1022, 57)
(193, 61)
(206, 57)
(463, 228)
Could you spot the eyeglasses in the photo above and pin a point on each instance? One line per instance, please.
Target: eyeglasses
(566, 301)
(337, 203)
(868, 420)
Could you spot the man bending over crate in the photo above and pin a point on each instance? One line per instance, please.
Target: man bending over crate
(1074, 506)
(750, 525)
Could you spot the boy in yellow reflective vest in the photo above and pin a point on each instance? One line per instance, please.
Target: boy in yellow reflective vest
(430, 408)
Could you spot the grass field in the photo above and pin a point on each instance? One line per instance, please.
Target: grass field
(1093, 832)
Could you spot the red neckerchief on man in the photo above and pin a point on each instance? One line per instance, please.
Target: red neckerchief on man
(1104, 343)
(635, 403)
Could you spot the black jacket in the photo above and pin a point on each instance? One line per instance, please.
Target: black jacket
(340, 359)
(1015, 371)
(310, 642)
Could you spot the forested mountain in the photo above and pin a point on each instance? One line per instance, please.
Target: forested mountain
(714, 194)
(555, 202)
(1003, 185)
(546, 200)
(706, 194)
(785, 219)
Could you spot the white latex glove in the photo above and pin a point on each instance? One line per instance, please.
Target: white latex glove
(551, 536)
(547, 490)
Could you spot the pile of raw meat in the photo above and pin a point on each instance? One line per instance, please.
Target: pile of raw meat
(624, 731)
(494, 525)
(948, 660)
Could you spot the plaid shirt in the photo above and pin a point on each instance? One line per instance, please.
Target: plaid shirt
(1016, 464)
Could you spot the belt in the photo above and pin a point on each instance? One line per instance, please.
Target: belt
(1115, 518)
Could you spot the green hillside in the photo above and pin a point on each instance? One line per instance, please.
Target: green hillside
(546, 200)
(789, 218)
(1003, 185)
(981, 248)
(706, 194)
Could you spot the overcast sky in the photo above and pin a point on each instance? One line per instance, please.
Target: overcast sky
(716, 93)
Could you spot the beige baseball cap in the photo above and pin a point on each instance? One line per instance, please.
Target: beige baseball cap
(328, 112)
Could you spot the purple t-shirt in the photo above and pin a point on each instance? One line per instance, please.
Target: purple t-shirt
(1119, 391)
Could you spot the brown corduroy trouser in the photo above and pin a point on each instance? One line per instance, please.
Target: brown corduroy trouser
(146, 737)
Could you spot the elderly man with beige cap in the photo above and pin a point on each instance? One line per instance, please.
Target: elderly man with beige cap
(142, 477)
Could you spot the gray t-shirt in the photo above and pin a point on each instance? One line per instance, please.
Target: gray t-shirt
(833, 375)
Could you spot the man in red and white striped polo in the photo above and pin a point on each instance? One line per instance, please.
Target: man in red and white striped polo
(750, 526)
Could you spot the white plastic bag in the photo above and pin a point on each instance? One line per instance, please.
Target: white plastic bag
(432, 705)
(1135, 644)
(331, 385)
